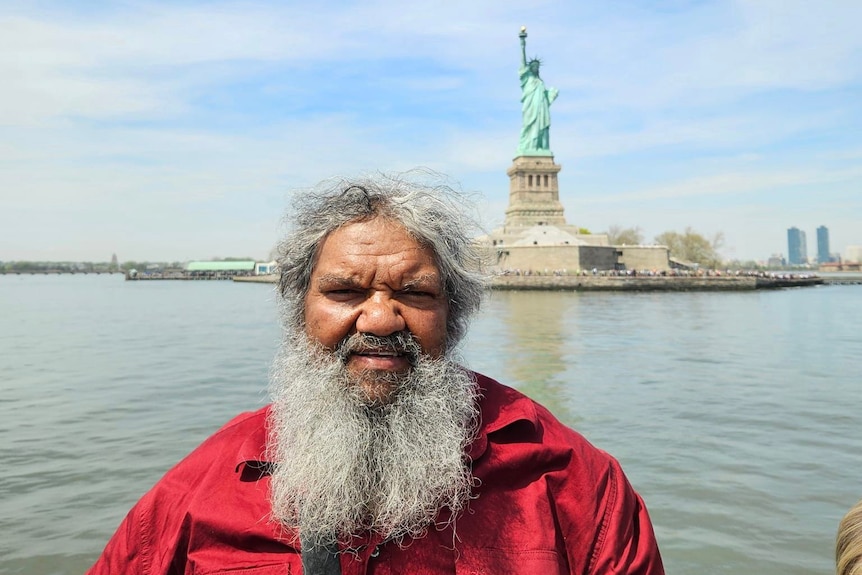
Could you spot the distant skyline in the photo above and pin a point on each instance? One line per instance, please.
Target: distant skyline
(797, 247)
(171, 131)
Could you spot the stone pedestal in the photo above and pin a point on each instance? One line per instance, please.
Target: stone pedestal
(534, 193)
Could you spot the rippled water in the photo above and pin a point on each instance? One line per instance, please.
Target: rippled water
(736, 415)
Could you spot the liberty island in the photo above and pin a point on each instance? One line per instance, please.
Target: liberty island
(536, 248)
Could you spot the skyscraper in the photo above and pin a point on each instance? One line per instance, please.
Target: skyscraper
(823, 245)
(797, 248)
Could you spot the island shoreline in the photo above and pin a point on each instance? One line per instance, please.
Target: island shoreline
(635, 283)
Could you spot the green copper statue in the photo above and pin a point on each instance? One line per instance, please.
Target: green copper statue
(535, 106)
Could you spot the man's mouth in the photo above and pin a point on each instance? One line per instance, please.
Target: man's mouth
(379, 360)
(378, 352)
(390, 352)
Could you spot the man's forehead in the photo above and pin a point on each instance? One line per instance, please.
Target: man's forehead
(381, 242)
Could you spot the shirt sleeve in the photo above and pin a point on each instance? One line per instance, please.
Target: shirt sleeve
(124, 552)
(147, 540)
(626, 542)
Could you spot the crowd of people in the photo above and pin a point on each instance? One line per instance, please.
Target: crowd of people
(673, 272)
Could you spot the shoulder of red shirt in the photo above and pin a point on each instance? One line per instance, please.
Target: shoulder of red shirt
(502, 409)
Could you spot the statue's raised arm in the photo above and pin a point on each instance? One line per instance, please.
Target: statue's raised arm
(535, 106)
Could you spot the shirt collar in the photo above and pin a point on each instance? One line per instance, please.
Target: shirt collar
(500, 407)
(251, 455)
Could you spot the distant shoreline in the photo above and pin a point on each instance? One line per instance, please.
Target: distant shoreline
(262, 279)
(648, 283)
(634, 283)
(589, 282)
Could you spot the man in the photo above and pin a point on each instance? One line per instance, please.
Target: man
(380, 453)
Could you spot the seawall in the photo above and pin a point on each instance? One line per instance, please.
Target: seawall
(262, 279)
(647, 283)
(624, 283)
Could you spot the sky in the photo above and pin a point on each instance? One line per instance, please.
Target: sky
(180, 130)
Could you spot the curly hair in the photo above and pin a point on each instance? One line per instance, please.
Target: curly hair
(433, 214)
(848, 543)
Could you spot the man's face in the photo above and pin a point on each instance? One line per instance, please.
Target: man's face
(373, 278)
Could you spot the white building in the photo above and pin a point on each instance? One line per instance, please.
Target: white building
(853, 254)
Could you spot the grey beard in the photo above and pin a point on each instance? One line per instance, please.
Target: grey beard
(345, 466)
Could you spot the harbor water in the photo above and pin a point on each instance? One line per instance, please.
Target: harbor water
(737, 415)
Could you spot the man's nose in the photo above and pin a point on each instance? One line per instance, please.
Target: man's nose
(380, 315)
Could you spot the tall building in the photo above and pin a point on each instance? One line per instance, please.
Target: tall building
(776, 261)
(823, 245)
(797, 248)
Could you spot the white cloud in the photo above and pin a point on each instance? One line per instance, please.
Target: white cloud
(178, 119)
(731, 183)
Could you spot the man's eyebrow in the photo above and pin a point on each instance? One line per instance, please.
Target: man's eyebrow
(426, 281)
(423, 282)
(331, 281)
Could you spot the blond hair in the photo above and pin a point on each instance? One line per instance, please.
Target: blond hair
(848, 543)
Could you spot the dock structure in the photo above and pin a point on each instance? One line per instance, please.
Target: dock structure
(179, 275)
(201, 270)
(56, 271)
(261, 279)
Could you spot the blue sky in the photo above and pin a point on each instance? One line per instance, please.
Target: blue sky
(179, 130)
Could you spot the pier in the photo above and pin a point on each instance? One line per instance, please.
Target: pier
(183, 275)
(51, 272)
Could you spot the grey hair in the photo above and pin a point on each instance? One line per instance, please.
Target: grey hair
(434, 214)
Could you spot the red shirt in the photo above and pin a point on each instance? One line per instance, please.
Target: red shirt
(547, 502)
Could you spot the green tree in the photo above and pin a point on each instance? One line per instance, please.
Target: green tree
(26, 266)
(131, 265)
(692, 247)
(618, 235)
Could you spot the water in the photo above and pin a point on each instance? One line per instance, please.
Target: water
(735, 415)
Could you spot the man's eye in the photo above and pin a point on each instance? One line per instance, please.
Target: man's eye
(419, 294)
(343, 293)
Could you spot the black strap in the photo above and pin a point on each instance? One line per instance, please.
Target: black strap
(320, 559)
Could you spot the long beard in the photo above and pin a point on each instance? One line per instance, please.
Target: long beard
(346, 465)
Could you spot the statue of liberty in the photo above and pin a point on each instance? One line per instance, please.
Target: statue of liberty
(535, 106)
